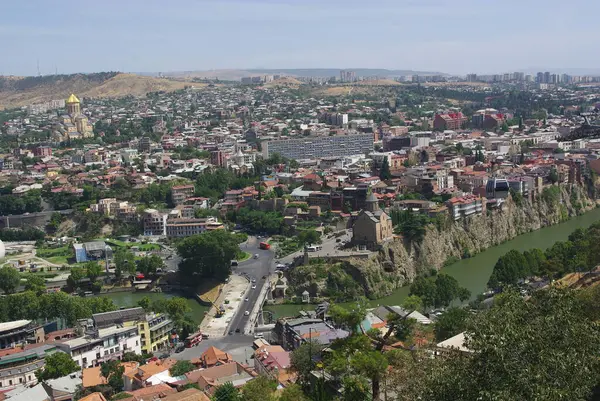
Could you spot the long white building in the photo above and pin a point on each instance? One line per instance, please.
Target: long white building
(316, 147)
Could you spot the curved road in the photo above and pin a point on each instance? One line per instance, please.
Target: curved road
(257, 269)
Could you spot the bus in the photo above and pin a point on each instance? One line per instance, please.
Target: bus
(264, 245)
(314, 248)
(193, 339)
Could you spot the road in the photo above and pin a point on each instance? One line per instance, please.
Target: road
(253, 269)
(329, 247)
(239, 346)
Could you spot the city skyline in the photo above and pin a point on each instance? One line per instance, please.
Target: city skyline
(433, 35)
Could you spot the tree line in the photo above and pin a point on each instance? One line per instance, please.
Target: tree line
(578, 254)
(29, 202)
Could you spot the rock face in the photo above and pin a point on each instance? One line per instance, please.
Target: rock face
(398, 263)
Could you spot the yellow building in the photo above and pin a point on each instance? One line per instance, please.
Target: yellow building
(154, 328)
(155, 331)
(72, 125)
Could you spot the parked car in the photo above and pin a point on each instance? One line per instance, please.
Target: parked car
(247, 313)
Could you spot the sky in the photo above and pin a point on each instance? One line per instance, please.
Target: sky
(458, 37)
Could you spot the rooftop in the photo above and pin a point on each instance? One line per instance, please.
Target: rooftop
(7, 326)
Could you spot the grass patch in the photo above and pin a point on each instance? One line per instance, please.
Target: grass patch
(286, 247)
(122, 244)
(57, 260)
(149, 247)
(53, 252)
(241, 256)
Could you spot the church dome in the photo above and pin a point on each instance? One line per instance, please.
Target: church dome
(72, 99)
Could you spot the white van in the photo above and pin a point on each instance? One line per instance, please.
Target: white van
(314, 248)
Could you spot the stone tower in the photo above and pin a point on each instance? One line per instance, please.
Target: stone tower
(73, 106)
(372, 203)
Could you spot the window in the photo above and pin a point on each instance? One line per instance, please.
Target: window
(136, 343)
(29, 377)
(20, 380)
(10, 382)
(105, 352)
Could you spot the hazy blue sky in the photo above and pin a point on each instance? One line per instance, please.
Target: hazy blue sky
(456, 36)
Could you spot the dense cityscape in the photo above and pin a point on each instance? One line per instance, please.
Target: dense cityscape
(289, 236)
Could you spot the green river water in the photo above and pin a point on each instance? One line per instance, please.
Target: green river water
(473, 273)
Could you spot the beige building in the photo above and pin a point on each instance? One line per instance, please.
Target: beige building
(155, 223)
(372, 226)
(181, 192)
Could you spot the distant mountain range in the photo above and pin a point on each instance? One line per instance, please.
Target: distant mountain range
(21, 91)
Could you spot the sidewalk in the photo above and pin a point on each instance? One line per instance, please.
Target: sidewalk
(234, 292)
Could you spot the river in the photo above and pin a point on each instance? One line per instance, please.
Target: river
(130, 299)
(473, 273)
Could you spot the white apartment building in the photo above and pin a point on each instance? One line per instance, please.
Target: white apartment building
(316, 147)
(101, 345)
(129, 155)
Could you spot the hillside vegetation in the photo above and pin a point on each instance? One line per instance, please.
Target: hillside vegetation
(21, 91)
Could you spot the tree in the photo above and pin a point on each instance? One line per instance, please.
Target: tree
(181, 367)
(145, 303)
(350, 319)
(308, 237)
(57, 365)
(10, 279)
(261, 388)
(227, 392)
(451, 323)
(411, 225)
(385, 173)
(553, 175)
(150, 264)
(522, 350)
(133, 357)
(439, 291)
(113, 371)
(302, 360)
(509, 269)
(36, 284)
(425, 289)
(356, 388)
(413, 303)
(207, 255)
(93, 270)
(124, 262)
(177, 307)
(77, 274)
(292, 393)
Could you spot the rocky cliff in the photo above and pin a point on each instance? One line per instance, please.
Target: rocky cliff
(398, 263)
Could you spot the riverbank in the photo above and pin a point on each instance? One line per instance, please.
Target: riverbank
(130, 299)
(474, 273)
